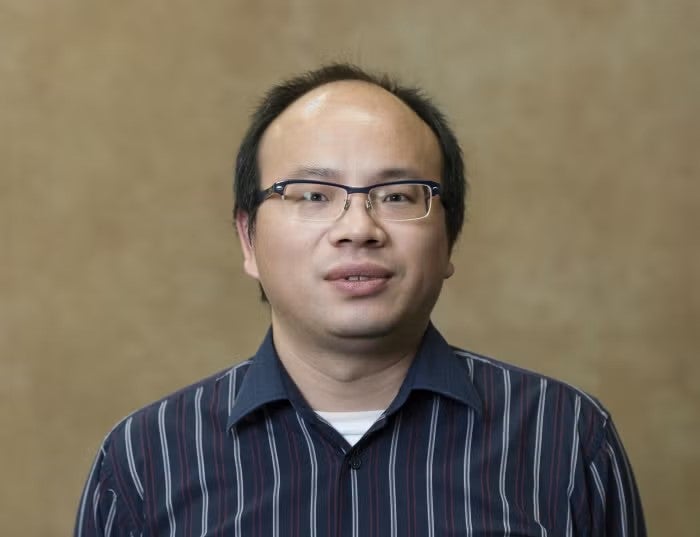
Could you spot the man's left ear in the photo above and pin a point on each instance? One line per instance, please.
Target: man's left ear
(449, 269)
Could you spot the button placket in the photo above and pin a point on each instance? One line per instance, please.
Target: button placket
(355, 461)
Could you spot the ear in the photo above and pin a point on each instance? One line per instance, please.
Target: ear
(449, 270)
(250, 264)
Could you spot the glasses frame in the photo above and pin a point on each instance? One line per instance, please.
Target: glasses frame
(278, 187)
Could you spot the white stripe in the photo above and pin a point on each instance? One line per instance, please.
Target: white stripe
(504, 452)
(96, 502)
(166, 467)
(355, 508)
(392, 477)
(538, 455)
(470, 366)
(429, 467)
(604, 414)
(239, 483)
(469, 525)
(467, 467)
(200, 458)
(233, 369)
(620, 489)
(83, 502)
(499, 365)
(232, 375)
(598, 484)
(572, 466)
(130, 458)
(112, 513)
(628, 474)
(314, 477)
(276, 471)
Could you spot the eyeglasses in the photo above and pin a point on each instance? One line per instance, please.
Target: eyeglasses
(320, 201)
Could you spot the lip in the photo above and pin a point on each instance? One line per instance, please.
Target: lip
(359, 279)
(348, 270)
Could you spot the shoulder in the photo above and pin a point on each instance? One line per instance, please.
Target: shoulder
(532, 397)
(143, 450)
(199, 403)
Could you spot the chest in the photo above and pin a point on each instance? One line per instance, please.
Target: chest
(446, 473)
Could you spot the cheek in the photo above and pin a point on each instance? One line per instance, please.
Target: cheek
(427, 236)
(438, 256)
(425, 253)
(288, 253)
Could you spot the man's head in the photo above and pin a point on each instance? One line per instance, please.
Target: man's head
(277, 99)
(373, 265)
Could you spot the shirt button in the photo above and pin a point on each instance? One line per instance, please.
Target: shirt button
(355, 461)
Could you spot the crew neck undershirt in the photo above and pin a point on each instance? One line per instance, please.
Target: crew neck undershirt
(352, 425)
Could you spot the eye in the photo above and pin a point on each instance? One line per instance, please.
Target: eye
(314, 196)
(395, 197)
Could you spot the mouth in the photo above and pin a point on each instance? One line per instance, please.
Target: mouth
(358, 272)
(359, 280)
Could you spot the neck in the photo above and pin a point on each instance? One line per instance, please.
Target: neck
(345, 375)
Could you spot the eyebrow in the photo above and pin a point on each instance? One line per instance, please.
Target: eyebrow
(310, 171)
(386, 174)
(399, 173)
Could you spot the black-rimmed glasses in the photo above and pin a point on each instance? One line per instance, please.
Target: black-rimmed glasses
(312, 200)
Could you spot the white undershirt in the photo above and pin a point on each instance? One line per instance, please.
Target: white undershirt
(352, 425)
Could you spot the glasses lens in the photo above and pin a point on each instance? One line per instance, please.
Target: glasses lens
(401, 202)
(312, 201)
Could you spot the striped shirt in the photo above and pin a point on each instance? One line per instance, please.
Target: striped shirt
(470, 446)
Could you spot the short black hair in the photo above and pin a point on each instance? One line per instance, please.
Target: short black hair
(247, 174)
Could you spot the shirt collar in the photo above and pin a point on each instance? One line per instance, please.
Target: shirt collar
(262, 383)
(436, 368)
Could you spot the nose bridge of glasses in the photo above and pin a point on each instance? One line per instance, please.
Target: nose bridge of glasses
(348, 200)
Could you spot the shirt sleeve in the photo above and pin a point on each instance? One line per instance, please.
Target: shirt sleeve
(616, 508)
(102, 511)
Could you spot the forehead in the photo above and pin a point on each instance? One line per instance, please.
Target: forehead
(356, 99)
(349, 125)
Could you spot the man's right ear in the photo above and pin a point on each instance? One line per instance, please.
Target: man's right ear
(245, 237)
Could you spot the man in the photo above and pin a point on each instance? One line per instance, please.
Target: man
(355, 417)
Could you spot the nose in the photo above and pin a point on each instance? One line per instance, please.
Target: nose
(368, 204)
(356, 225)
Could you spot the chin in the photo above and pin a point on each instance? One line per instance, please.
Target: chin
(371, 327)
(373, 323)
(363, 329)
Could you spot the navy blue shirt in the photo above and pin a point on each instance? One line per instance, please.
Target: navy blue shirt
(469, 446)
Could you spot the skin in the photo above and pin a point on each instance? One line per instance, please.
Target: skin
(347, 350)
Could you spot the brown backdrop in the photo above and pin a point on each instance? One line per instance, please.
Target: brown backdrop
(120, 277)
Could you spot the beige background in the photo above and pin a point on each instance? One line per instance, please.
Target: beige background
(120, 276)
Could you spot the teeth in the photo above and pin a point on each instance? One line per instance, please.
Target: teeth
(357, 278)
